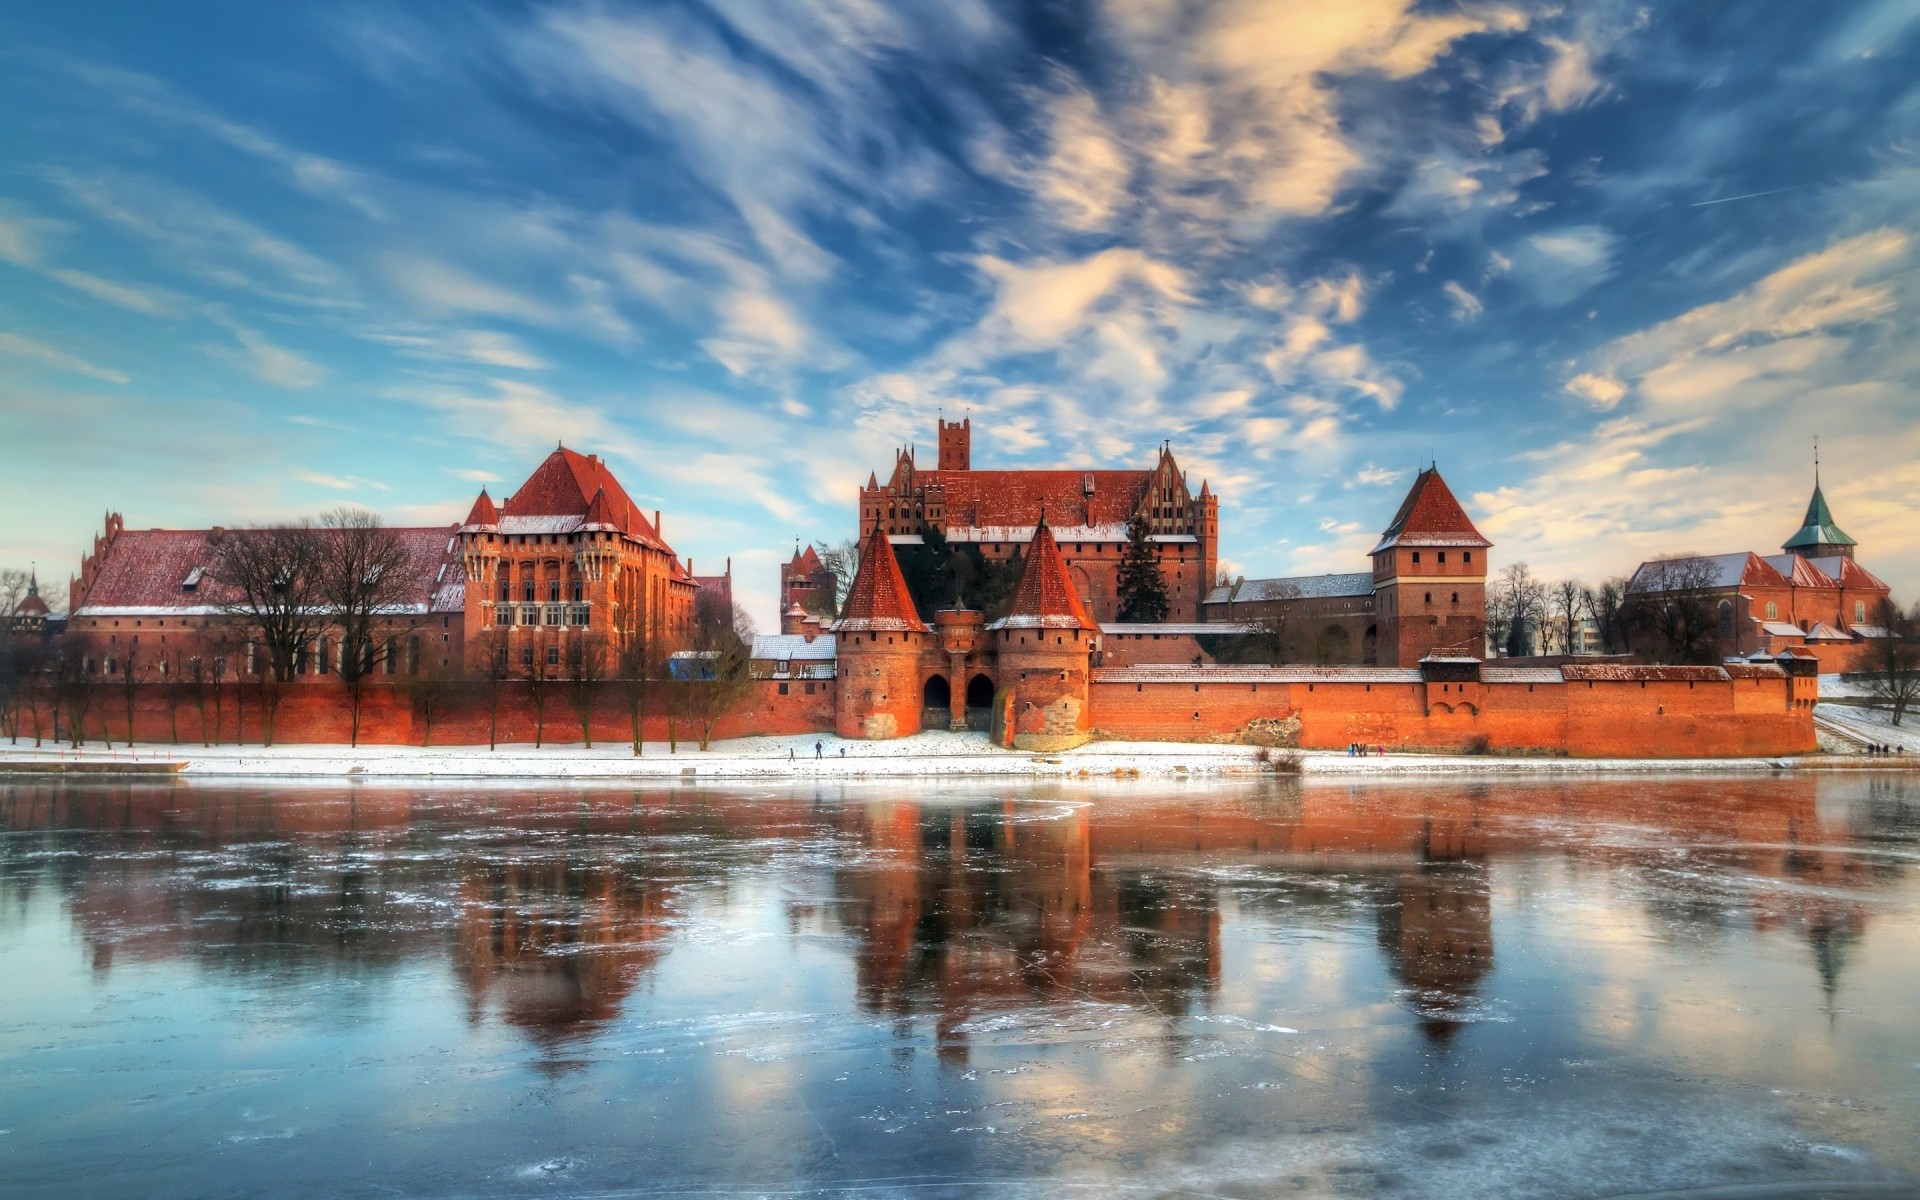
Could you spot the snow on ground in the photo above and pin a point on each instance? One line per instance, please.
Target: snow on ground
(810, 756)
(1874, 724)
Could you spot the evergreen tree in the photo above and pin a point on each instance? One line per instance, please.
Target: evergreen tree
(1142, 589)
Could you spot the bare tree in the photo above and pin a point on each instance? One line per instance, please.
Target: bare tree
(1672, 601)
(488, 653)
(842, 562)
(638, 669)
(1523, 601)
(274, 577)
(1893, 669)
(75, 688)
(1606, 604)
(429, 691)
(716, 680)
(129, 685)
(586, 664)
(537, 673)
(365, 588)
(1568, 597)
(29, 664)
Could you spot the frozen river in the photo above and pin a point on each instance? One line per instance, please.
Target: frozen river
(1454, 988)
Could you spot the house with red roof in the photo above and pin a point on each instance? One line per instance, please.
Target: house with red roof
(1426, 594)
(1814, 598)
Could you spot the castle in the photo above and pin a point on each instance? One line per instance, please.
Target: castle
(1390, 656)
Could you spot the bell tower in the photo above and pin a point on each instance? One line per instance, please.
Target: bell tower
(956, 449)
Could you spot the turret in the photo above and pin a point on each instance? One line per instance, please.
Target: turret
(1818, 536)
(1045, 645)
(879, 639)
(1430, 579)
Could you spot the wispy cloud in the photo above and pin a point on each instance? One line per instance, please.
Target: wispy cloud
(50, 356)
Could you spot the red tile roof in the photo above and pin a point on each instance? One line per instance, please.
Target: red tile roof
(1045, 598)
(483, 512)
(878, 600)
(565, 485)
(147, 570)
(804, 562)
(1430, 516)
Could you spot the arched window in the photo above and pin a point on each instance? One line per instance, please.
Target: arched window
(413, 655)
(1773, 611)
(1859, 610)
(1726, 618)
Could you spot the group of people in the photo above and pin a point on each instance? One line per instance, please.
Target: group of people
(1882, 748)
(1362, 750)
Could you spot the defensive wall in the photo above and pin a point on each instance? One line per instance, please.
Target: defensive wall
(1579, 710)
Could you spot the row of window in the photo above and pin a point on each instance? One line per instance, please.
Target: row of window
(551, 616)
(1466, 556)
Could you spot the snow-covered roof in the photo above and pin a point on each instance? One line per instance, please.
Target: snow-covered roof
(1780, 629)
(787, 647)
(1294, 587)
(1872, 631)
(1173, 673)
(1521, 675)
(1823, 632)
(1177, 628)
(1061, 533)
(540, 525)
(1037, 621)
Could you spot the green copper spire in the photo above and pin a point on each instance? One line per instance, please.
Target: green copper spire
(1818, 535)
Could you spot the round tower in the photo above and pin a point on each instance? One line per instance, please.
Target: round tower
(1045, 647)
(879, 641)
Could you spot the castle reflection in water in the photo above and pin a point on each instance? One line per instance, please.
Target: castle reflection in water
(551, 907)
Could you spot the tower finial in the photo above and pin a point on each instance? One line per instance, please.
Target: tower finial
(1816, 460)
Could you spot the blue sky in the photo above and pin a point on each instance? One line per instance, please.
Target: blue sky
(1614, 266)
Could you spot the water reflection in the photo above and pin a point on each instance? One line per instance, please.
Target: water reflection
(979, 921)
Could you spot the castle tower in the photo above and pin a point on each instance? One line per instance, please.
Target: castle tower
(1045, 645)
(879, 640)
(956, 445)
(1207, 530)
(1429, 579)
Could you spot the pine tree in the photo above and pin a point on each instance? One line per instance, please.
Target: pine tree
(1142, 589)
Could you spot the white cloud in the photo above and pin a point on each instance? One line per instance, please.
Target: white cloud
(135, 299)
(263, 359)
(1466, 305)
(1558, 265)
(59, 360)
(1603, 392)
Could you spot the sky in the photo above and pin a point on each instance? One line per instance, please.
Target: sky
(1614, 267)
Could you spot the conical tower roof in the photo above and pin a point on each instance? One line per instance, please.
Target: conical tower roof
(1430, 516)
(1817, 533)
(878, 601)
(483, 514)
(32, 605)
(1045, 597)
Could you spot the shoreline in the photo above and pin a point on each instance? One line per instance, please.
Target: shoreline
(924, 755)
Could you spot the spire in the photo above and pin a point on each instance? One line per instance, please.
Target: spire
(1818, 536)
(878, 601)
(600, 511)
(1045, 597)
(483, 515)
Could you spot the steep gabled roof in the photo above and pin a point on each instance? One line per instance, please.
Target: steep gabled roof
(1799, 571)
(1045, 598)
(804, 562)
(483, 515)
(1817, 528)
(1430, 516)
(557, 496)
(878, 601)
(1848, 573)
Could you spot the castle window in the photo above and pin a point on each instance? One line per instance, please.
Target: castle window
(1859, 610)
(1456, 597)
(783, 689)
(578, 589)
(553, 656)
(526, 585)
(1773, 611)
(1429, 597)
(1467, 556)
(526, 656)
(1416, 556)
(553, 590)
(1443, 556)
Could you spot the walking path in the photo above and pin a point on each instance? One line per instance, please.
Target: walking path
(924, 754)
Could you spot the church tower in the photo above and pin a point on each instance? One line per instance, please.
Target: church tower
(1429, 579)
(1045, 645)
(956, 445)
(1818, 536)
(879, 640)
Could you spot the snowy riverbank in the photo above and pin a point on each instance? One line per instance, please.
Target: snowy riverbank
(925, 754)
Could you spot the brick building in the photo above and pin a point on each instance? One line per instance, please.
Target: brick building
(1426, 593)
(998, 510)
(569, 555)
(1813, 598)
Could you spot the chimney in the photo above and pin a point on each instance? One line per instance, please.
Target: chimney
(657, 529)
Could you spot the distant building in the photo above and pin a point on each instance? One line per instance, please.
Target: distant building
(1813, 598)
(998, 511)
